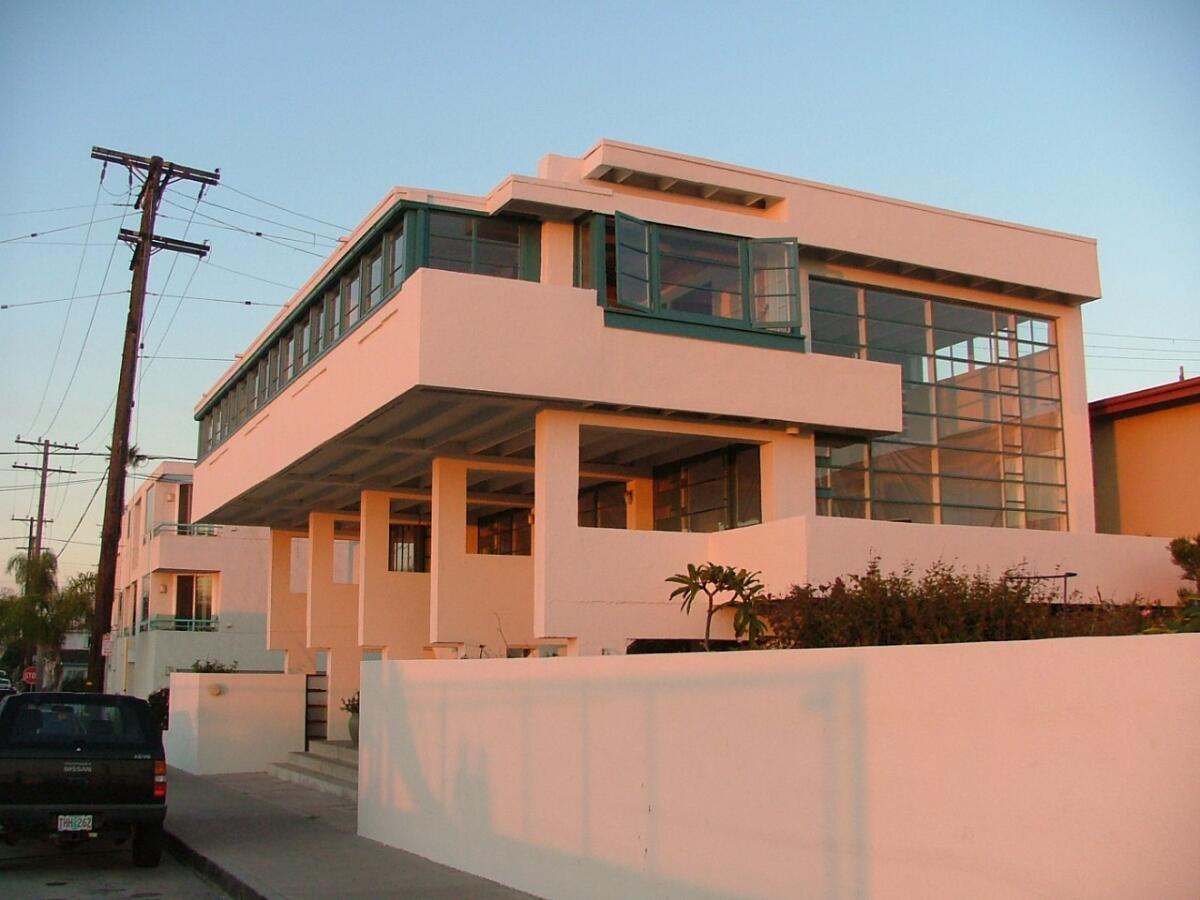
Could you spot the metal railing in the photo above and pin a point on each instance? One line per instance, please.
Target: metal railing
(188, 529)
(175, 623)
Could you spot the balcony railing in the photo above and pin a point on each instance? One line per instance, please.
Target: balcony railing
(174, 623)
(191, 530)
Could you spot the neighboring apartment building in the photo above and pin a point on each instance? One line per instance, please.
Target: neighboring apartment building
(494, 425)
(1145, 445)
(184, 592)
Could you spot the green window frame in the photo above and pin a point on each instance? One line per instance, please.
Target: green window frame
(365, 279)
(767, 287)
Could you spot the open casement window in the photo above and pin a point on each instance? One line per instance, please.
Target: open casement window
(633, 263)
(774, 283)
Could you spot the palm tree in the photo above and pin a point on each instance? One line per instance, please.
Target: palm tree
(38, 619)
(37, 576)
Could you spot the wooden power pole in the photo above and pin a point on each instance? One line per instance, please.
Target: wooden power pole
(35, 543)
(156, 174)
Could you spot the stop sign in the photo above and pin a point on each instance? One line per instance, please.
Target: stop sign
(29, 676)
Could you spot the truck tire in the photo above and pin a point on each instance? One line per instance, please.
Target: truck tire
(147, 846)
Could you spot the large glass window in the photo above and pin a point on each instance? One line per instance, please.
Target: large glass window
(711, 492)
(603, 506)
(982, 436)
(505, 533)
(194, 597)
(484, 246)
(700, 276)
(408, 548)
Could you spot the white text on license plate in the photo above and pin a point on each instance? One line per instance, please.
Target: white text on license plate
(74, 823)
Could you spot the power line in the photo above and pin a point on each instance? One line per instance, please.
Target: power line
(87, 334)
(24, 303)
(70, 306)
(35, 212)
(247, 275)
(270, 239)
(1141, 337)
(283, 208)
(56, 299)
(35, 234)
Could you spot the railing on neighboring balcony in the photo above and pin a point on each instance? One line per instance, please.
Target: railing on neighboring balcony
(175, 623)
(188, 529)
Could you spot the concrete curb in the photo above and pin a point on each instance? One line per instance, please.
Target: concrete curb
(206, 866)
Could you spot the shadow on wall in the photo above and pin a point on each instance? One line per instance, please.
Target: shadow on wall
(648, 777)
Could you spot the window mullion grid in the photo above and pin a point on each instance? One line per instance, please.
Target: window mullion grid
(931, 380)
(748, 297)
(652, 256)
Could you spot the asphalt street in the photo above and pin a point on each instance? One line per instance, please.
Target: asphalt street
(39, 870)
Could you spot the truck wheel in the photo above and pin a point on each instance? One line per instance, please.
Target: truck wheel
(147, 846)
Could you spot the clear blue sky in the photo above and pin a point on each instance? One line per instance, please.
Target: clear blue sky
(1080, 117)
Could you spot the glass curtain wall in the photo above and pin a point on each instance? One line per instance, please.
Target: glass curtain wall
(982, 441)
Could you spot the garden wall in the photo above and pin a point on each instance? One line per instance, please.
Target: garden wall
(234, 721)
(1059, 768)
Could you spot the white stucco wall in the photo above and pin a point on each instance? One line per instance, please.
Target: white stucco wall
(1026, 769)
(252, 721)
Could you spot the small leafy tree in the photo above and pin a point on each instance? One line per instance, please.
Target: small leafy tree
(713, 581)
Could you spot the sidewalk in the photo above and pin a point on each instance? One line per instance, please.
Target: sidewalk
(258, 837)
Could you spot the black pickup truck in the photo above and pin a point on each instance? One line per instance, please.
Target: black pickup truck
(79, 766)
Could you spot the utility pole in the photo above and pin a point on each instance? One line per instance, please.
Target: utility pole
(35, 547)
(156, 174)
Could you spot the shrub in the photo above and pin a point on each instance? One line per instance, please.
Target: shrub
(160, 707)
(214, 665)
(1185, 553)
(939, 606)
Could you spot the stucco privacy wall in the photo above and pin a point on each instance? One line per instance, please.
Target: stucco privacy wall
(252, 721)
(1117, 567)
(1041, 768)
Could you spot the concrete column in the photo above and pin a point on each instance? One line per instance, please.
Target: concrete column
(448, 532)
(332, 621)
(373, 566)
(639, 515)
(555, 508)
(287, 610)
(1081, 502)
(788, 471)
(558, 253)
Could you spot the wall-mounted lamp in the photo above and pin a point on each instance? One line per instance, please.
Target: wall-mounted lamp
(793, 429)
(216, 690)
(162, 588)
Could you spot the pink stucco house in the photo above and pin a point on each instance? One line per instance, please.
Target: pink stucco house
(184, 592)
(492, 426)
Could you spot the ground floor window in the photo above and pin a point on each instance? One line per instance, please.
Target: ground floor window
(711, 492)
(408, 548)
(602, 506)
(506, 533)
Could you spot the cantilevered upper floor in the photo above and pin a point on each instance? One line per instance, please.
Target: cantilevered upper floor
(647, 283)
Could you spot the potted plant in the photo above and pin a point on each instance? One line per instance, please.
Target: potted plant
(350, 705)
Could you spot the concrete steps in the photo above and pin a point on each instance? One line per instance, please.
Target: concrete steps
(328, 766)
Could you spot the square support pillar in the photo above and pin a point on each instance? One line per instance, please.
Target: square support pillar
(555, 507)
(448, 532)
(287, 610)
(332, 621)
(788, 468)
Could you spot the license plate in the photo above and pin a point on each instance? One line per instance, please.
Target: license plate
(74, 823)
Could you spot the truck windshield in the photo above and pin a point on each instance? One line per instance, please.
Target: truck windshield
(90, 720)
